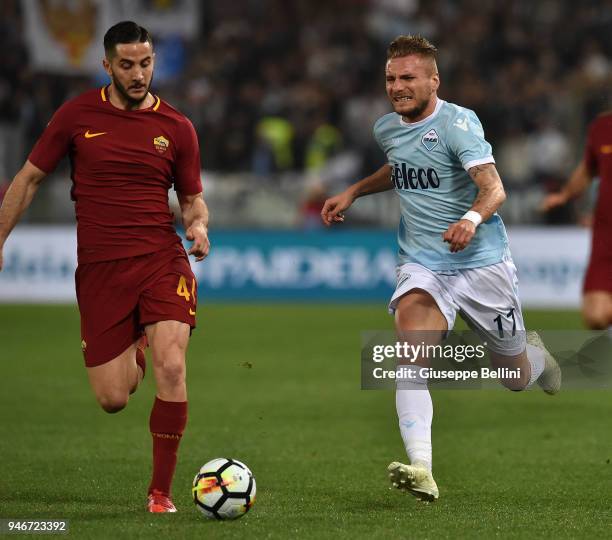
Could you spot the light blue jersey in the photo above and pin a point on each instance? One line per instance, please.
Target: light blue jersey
(429, 160)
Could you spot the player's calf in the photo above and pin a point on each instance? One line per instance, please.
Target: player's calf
(517, 365)
(535, 364)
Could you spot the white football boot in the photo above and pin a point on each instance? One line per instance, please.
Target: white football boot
(416, 479)
(550, 379)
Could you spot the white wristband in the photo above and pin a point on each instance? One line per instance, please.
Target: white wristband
(473, 216)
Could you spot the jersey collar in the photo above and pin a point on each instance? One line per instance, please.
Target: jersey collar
(154, 107)
(439, 103)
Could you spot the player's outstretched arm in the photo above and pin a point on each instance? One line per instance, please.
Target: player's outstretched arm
(491, 196)
(578, 183)
(195, 220)
(375, 183)
(17, 199)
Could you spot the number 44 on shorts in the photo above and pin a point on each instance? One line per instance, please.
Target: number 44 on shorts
(183, 291)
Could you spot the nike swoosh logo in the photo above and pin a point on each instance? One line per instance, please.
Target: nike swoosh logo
(191, 312)
(92, 135)
(409, 423)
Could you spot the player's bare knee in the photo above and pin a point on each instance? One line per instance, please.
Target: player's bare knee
(596, 319)
(113, 408)
(405, 321)
(173, 372)
(113, 402)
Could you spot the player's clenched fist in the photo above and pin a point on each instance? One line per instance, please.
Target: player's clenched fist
(198, 234)
(333, 208)
(459, 234)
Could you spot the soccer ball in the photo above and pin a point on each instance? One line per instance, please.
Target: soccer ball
(224, 489)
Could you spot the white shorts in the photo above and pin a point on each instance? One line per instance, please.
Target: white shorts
(486, 298)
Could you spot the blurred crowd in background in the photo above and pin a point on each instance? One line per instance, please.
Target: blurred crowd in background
(283, 94)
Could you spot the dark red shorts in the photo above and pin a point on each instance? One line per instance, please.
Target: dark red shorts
(599, 274)
(117, 299)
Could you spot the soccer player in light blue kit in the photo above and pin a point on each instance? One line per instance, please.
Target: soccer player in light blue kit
(453, 248)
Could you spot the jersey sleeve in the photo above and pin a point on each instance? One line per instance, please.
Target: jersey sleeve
(590, 151)
(187, 167)
(55, 141)
(377, 132)
(467, 141)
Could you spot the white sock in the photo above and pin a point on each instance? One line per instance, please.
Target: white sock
(535, 357)
(415, 412)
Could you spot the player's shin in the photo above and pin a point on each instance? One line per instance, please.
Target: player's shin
(167, 423)
(415, 414)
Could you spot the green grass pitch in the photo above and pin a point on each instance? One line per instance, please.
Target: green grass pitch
(277, 386)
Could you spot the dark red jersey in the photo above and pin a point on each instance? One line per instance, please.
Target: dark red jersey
(123, 164)
(598, 160)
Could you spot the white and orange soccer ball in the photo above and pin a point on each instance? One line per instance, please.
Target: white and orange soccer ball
(224, 489)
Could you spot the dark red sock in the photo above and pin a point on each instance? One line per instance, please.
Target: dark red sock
(167, 423)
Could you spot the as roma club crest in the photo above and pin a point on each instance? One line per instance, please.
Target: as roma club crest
(161, 144)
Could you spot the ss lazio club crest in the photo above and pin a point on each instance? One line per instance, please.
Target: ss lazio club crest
(161, 144)
(430, 140)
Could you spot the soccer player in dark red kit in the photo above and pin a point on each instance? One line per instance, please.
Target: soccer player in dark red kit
(127, 148)
(597, 161)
